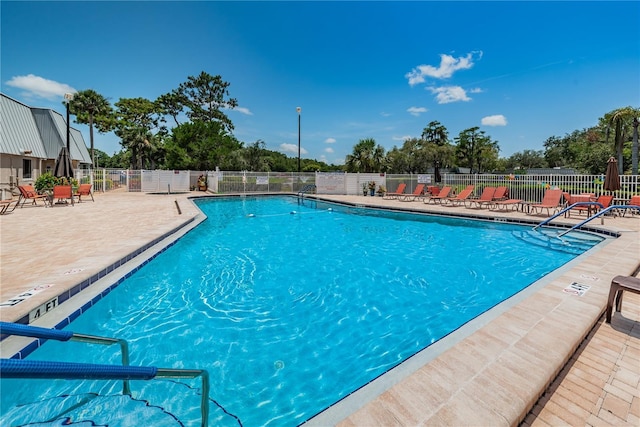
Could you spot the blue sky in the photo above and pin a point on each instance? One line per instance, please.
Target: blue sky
(521, 71)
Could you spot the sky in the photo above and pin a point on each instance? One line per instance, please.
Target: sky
(520, 71)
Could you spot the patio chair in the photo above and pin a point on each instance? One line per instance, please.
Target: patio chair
(433, 190)
(634, 201)
(501, 193)
(6, 204)
(485, 199)
(84, 190)
(604, 200)
(27, 192)
(551, 200)
(461, 197)
(399, 192)
(60, 195)
(498, 205)
(442, 195)
(411, 197)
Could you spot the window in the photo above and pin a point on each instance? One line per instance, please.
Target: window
(26, 168)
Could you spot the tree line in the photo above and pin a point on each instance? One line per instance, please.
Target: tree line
(188, 129)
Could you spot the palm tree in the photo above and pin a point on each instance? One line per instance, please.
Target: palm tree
(620, 120)
(366, 157)
(86, 105)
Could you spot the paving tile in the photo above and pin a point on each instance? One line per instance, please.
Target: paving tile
(617, 406)
(533, 340)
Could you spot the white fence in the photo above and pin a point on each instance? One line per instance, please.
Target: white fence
(525, 187)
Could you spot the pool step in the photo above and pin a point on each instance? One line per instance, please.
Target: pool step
(88, 410)
(568, 244)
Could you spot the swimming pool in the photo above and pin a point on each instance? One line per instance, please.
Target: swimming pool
(358, 294)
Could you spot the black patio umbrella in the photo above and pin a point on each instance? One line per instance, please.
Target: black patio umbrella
(612, 178)
(436, 172)
(63, 167)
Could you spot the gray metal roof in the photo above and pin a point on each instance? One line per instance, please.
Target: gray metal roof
(41, 131)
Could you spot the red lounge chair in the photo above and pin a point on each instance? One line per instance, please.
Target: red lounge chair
(551, 200)
(501, 193)
(61, 193)
(84, 190)
(505, 204)
(433, 190)
(442, 195)
(6, 204)
(486, 198)
(27, 192)
(411, 197)
(604, 200)
(399, 192)
(461, 197)
(634, 201)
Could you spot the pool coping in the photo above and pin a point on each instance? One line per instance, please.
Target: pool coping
(595, 299)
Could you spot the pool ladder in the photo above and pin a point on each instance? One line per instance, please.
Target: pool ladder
(598, 214)
(19, 368)
(306, 189)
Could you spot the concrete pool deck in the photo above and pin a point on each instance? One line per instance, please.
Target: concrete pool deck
(494, 376)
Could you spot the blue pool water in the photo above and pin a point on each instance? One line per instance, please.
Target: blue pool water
(291, 307)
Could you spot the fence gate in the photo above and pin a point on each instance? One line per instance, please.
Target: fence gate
(161, 181)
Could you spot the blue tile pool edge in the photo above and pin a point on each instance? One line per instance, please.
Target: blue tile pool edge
(67, 294)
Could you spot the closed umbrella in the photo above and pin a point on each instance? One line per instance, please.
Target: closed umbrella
(612, 178)
(436, 172)
(63, 167)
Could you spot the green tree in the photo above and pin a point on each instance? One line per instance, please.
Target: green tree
(137, 119)
(256, 156)
(435, 133)
(204, 97)
(367, 156)
(89, 106)
(621, 122)
(437, 148)
(526, 159)
(202, 146)
(476, 150)
(171, 105)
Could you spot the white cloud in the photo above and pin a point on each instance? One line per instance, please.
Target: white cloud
(476, 90)
(243, 110)
(40, 87)
(292, 148)
(329, 150)
(401, 138)
(448, 66)
(416, 111)
(495, 120)
(383, 114)
(330, 141)
(447, 94)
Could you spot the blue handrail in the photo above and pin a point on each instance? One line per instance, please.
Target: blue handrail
(568, 208)
(39, 369)
(20, 368)
(602, 212)
(21, 330)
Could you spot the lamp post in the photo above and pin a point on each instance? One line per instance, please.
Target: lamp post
(299, 110)
(634, 149)
(67, 99)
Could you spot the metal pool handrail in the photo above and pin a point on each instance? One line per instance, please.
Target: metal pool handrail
(58, 335)
(568, 208)
(602, 212)
(18, 368)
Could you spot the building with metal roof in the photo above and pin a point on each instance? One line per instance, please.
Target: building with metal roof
(30, 141)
